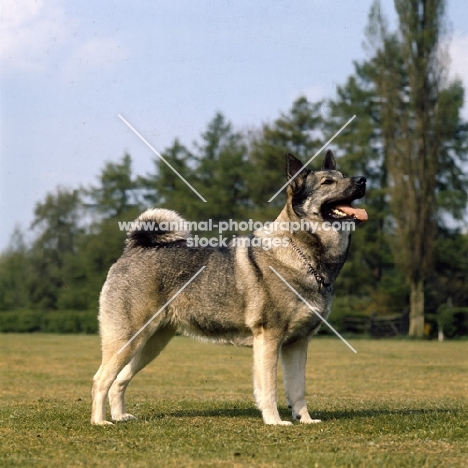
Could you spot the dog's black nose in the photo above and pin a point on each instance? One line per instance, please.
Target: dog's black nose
(360, 180)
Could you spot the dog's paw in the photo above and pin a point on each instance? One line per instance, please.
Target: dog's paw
(272, 417)
(304, 417)
(310, 421)
(281, 423)
(284, 423)
(102, 423)
(125, 417)
(278, 422)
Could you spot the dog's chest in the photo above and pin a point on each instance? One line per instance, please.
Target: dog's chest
(305, 319)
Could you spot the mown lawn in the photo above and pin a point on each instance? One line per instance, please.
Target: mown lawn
(394, 404)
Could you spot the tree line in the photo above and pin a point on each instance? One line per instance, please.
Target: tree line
(408, 140)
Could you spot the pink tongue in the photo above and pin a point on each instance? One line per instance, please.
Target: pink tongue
(358, 213)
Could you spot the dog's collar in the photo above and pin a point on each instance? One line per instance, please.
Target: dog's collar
(311, 269)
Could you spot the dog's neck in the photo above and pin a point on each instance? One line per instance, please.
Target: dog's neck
(325, 249)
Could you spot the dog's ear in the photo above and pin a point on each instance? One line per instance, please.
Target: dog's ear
(293, 166)
(329, 163)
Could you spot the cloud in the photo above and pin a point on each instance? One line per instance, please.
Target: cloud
(31, 32)
(37, 36)
(95, 54)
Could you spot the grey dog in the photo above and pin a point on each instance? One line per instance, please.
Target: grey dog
(238, 298)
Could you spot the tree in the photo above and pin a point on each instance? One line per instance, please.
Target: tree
(85, 271)
(360, 151)
(416, 135)
(299, 132)
(417, 140)
(221, 171)
(14, 271)
(164, 188)
(217, 168)
(115, 198)
(117, 189)
(449, 281)
(58, 222)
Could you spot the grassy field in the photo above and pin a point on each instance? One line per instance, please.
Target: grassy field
(394, 404)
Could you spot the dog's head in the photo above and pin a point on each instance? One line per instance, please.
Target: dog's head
(324, 195)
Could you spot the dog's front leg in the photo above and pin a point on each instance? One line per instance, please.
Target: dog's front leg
(266, 348)
(293, 359)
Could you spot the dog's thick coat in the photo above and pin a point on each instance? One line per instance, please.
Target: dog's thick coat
(236, 299)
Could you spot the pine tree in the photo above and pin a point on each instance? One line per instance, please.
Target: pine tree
(417, 140)
(299, 132)
(221, 171)
(57, 221)
(116, 191)
(165, 189)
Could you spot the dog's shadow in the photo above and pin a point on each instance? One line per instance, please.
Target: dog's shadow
(228, 412)
(285, 413)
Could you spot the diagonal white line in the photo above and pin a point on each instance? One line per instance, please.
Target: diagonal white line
(158, 155)
(161, 309)
(312, 158)
(313, 310)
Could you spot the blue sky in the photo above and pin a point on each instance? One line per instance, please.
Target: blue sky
(68, 68)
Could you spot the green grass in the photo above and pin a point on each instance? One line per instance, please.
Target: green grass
(394, 404)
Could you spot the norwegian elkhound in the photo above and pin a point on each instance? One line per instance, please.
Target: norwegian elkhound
(242, 296)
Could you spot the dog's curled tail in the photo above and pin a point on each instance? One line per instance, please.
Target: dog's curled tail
(156, 227)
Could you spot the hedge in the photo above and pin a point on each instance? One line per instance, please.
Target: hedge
(65, 321)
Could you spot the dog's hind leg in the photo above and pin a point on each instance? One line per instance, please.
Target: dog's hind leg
(293, 359)
(143, 357)
(266, 347)
(112, 363)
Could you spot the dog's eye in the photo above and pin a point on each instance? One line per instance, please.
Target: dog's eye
(327, 182)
